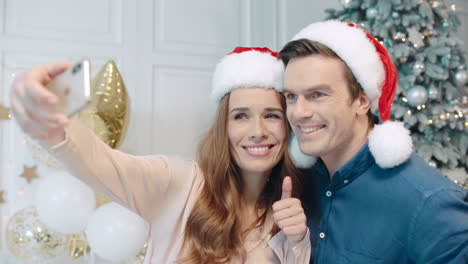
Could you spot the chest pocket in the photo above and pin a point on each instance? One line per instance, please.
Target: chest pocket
(350, 257)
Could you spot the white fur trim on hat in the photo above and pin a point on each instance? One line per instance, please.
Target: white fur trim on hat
(246, 69)
(390, 144)
(300, 159)
(354, 48)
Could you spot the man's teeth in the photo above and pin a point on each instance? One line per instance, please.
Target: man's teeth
(309, 129)
(256, 149)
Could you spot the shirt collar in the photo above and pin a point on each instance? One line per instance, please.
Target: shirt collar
(351, 170)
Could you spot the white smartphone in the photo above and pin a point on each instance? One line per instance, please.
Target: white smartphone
(73, 87)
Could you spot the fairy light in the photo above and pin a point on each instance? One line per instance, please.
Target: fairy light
(409, 112)
(429, 121)
(404, 99)
(453, 7)
(419, 107)
(423, 106)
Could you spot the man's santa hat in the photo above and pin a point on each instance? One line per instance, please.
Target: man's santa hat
(247, 67)
(390, 142)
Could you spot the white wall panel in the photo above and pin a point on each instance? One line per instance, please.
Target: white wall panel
(181, 109)
(86, 21)
(197, 27)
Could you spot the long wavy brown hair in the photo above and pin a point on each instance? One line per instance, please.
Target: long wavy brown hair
(213, 233)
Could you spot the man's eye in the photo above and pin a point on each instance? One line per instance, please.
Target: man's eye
(316, 95)
(290, 97)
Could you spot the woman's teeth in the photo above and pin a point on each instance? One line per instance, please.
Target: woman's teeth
(257, 149)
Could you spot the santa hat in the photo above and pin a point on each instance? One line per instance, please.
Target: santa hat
(390, 142)
(247, 67)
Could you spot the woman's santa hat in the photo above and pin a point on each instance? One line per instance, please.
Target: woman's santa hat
(390, 143)
(247, 67)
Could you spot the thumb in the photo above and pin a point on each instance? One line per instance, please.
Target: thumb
(287, 188)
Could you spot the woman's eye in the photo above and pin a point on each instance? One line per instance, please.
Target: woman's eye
(240, 116)
(276, 116)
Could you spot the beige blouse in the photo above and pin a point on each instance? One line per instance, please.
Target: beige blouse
(162, 190)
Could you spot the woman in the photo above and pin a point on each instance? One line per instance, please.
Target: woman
(234, 205)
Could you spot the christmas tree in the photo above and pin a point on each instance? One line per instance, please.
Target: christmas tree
(431, 98)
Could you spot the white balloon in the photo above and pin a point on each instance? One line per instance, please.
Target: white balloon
(115, 233)
(64, 203)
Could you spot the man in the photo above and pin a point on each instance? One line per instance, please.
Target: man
(371, 199)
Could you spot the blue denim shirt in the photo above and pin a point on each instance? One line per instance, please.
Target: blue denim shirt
(366, 214)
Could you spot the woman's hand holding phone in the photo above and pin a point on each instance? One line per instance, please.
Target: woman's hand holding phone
(35, 108)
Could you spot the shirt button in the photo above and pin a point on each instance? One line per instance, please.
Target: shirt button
(322, 235)
(346, 181)
(328, 193)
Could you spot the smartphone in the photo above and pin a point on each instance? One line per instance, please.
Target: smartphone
(73, 87)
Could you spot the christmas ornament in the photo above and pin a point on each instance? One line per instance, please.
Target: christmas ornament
(433, 92)
(348, 3)
(372, 13)
(415, 37)
(403, 59)
(31, 241)
(400, 36)
(418, 67)
(461, 77)
(107, 114)
(29, 173)
(417, 95)
(4, 113)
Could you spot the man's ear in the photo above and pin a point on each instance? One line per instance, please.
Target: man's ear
(362, 104)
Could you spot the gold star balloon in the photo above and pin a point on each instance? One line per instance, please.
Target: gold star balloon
(29, 173)
(107, 114)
